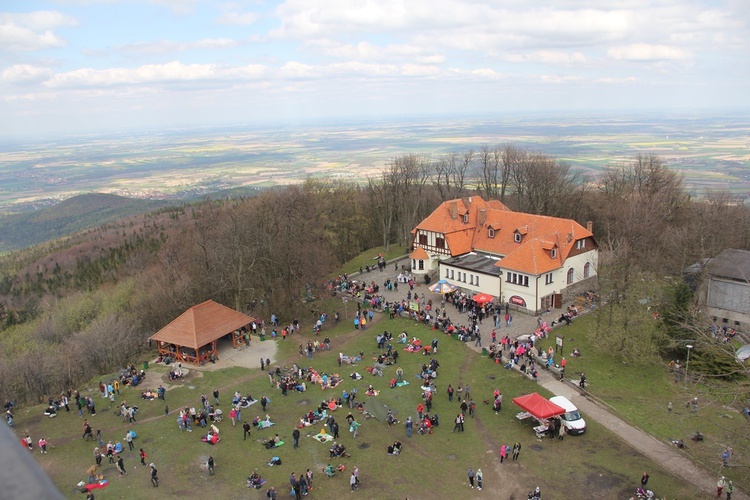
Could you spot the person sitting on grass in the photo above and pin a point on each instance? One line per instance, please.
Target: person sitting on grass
(395, 448)
(271, 443)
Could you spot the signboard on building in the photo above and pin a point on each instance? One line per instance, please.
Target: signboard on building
(517, 301)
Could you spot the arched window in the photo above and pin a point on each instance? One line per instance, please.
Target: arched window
(570, 276)
(587, 270)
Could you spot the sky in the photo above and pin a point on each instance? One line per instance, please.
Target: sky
(85, 66)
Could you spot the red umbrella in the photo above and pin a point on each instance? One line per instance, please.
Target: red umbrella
(482, 298)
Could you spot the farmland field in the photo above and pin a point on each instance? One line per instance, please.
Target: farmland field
(713, 152)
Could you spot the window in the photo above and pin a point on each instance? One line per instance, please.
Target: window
(452, 274)
(477, 283)
(517, 279)
(580, 244)
(586, 270)
(570, 276)
(517, 237)
(553, 253)
(548, 279)
(440, 242)
(414, 263)
(466, 217)
(423, 239)
(447, 273)
(491, 233)
(421, 265)
(471, 279)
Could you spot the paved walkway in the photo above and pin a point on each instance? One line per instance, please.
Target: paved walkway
(666, 455)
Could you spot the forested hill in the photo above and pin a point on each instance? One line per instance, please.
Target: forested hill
(67, 217)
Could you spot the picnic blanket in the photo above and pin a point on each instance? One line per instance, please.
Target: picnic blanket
(412, 348)
(401, 384)
(280, 443)
(323, 438)
(93, 486)
(247, 402)
(263, 424)
(373, 393)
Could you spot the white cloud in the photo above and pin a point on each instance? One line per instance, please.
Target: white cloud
(556, 79)
(24, 74)
(648, 52)
(366, 51)
(30, 31)
(181, 7)
(170, 47)
(237, 18)
(549, 57)
(611, 80)
(38, 20)
(173, 72)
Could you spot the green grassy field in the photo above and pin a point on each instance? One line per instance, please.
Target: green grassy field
(640, 395)
(431, 466)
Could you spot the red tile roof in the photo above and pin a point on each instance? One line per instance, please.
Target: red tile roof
(419, 254)
(201, 325)
(540, 234)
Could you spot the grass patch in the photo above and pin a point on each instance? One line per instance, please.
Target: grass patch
(592, 462)
(640, 395)
(369, 258)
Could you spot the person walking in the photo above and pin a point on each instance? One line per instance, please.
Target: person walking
(121, 466)
(295, 437)
(720, 484)
(644, 479)
(210, 464)
(246, 431)
(478, 342)
(503, 452)
(216, 396)
(353, 482)
(409, 425)
(129, 439)
(355, 428)
(450, 393)
(730, 489)
(142, 454)
(98, 455)
(471, 475)
(42, 445)
(479, 479)
(154, 477)
(516, 450)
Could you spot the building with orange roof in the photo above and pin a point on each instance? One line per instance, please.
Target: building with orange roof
(533, 262)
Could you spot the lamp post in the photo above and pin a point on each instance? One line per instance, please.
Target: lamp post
(687, 362)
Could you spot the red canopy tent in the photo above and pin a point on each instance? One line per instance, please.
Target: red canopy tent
(538, 406)
(482, 298)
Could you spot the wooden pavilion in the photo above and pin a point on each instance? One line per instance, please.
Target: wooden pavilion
(192, 336)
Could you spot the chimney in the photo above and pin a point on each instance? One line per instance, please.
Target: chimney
(481, 217)
(453, 209)
(570, 238)
(590, 227)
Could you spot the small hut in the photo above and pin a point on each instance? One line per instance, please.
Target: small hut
(192, 336)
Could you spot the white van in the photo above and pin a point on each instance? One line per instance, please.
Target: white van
(572, 420)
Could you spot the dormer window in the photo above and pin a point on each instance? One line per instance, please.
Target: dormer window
(466, 218)
(580, 244)
(517, 237)
(553, 253)
(491, 233)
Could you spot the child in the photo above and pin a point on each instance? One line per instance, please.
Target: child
(142, 454)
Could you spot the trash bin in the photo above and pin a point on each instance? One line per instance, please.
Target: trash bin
(145, 365)
(455, 336)
(484, 351)
(262, 338)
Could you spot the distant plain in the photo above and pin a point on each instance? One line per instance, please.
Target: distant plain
(713, 152)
